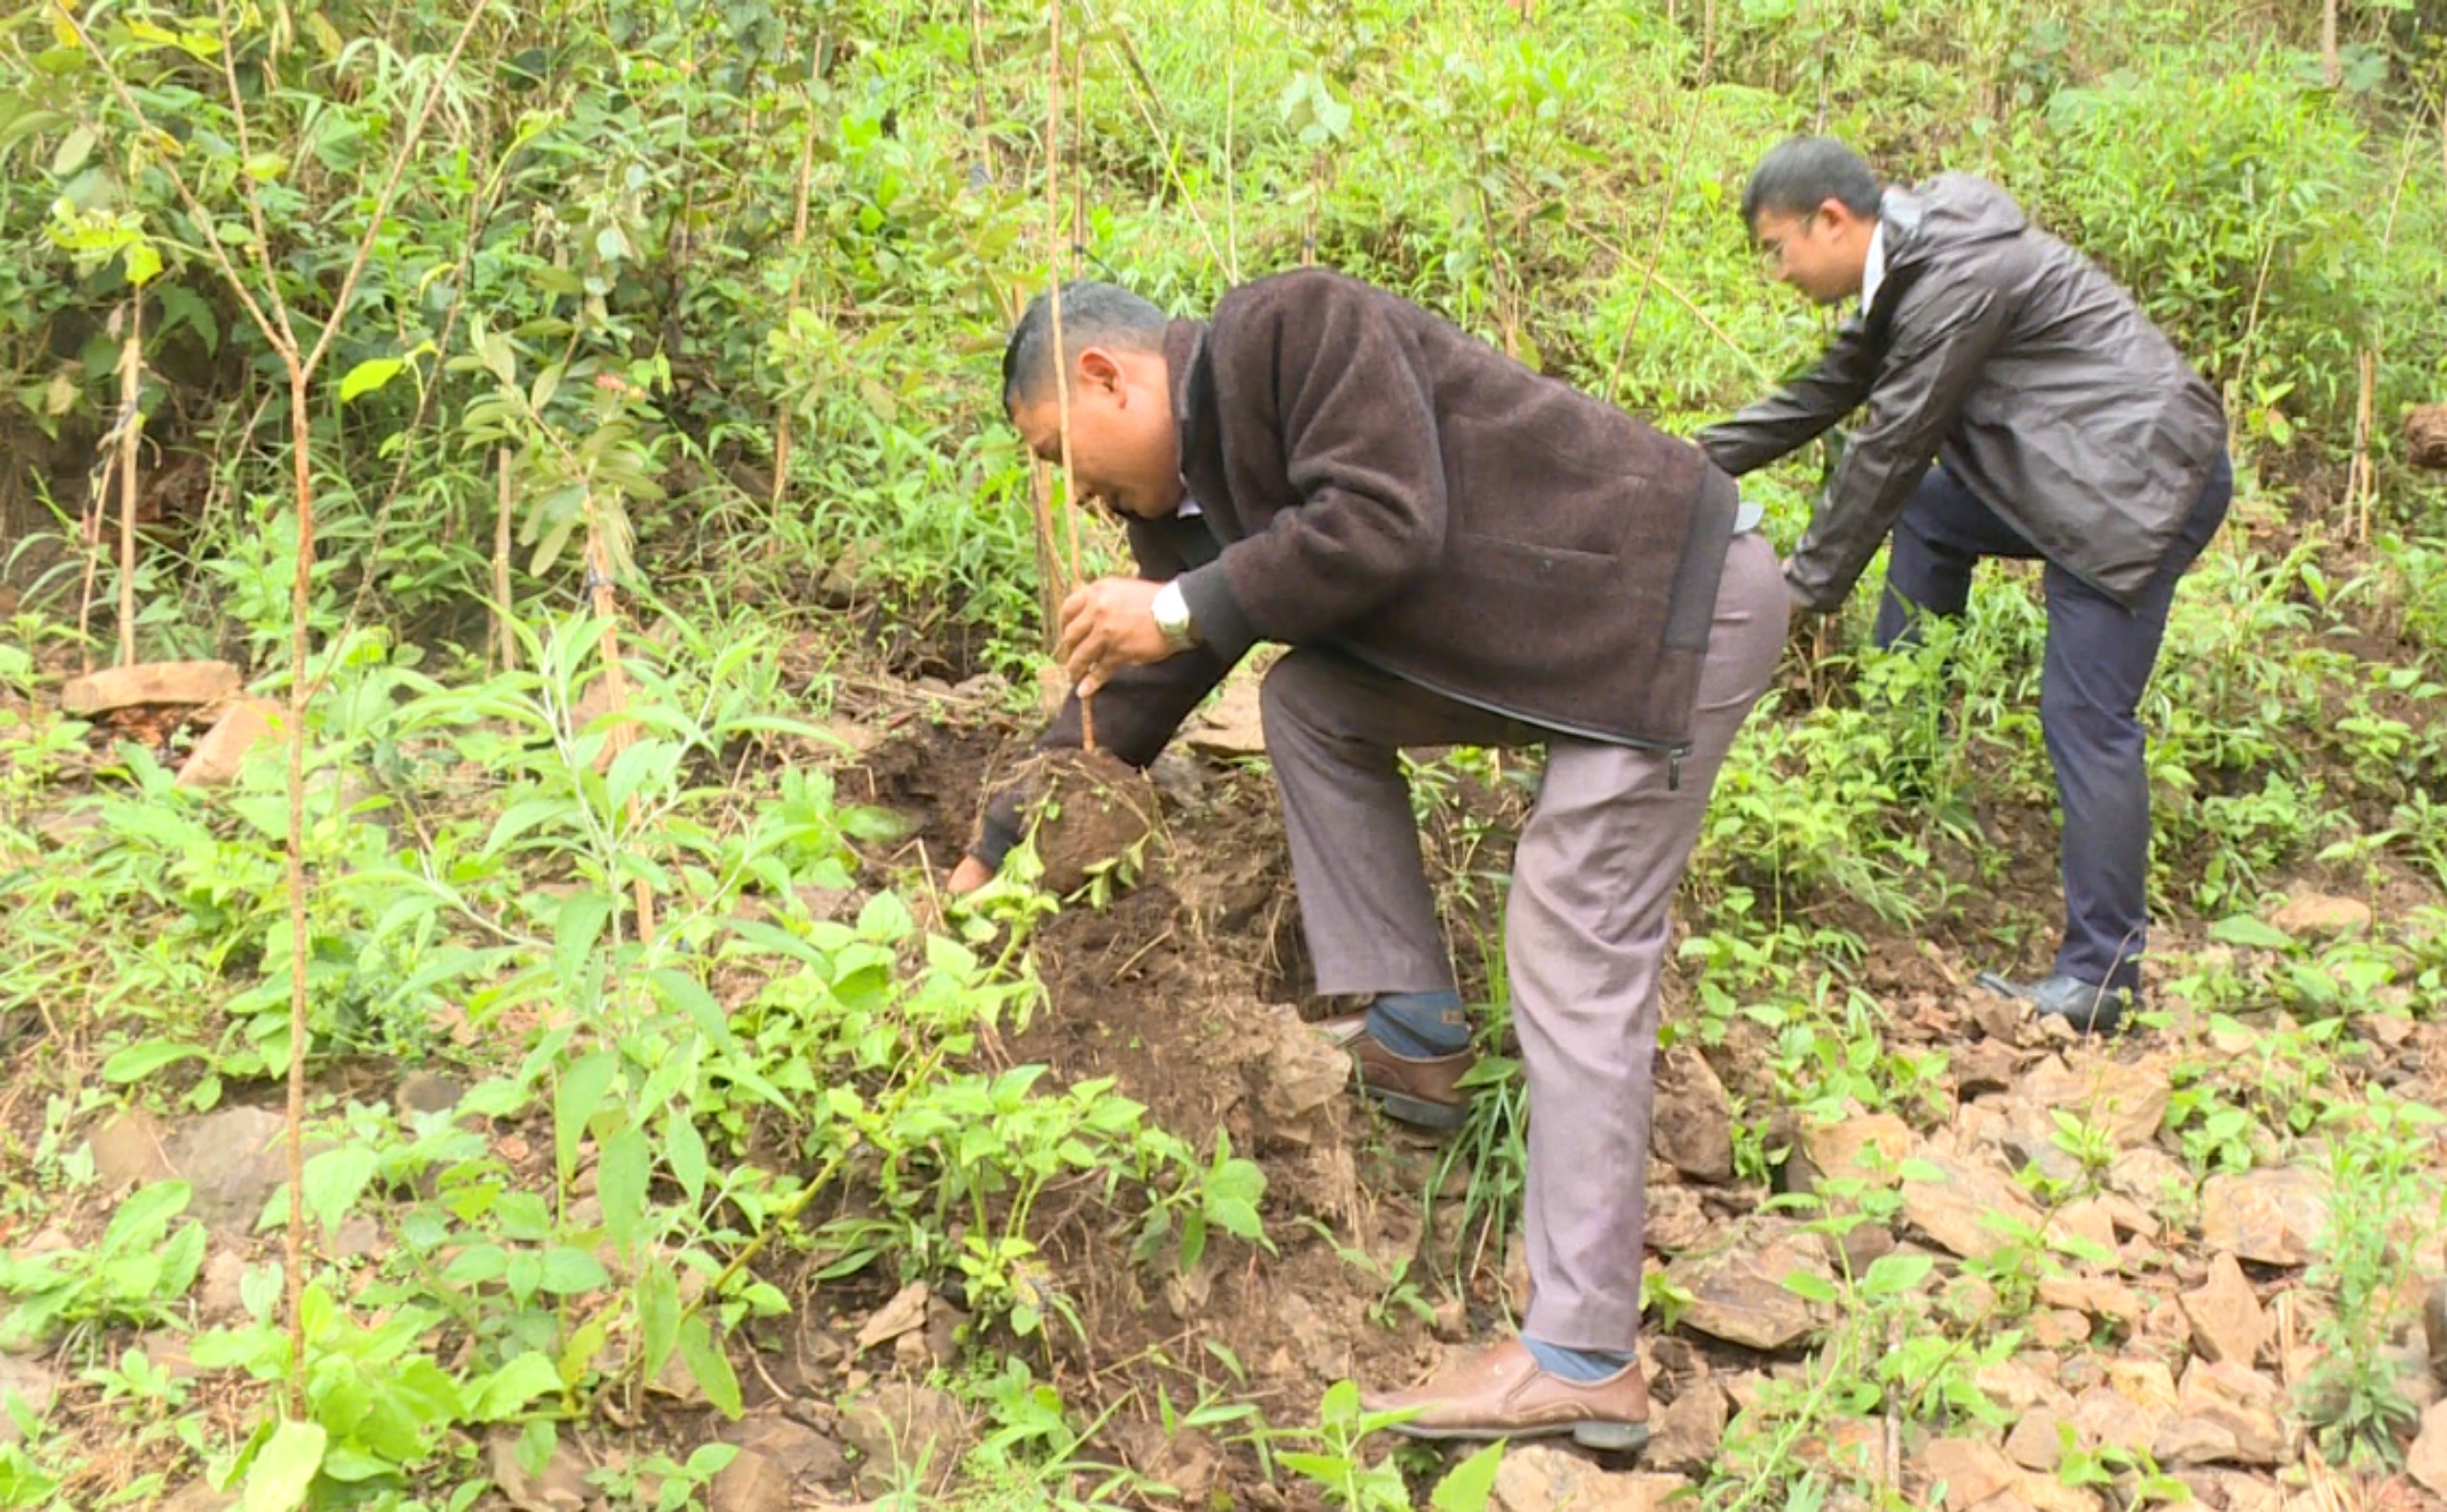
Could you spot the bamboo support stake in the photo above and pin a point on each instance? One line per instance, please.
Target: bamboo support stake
(504, 639)
(1053, 309)
(1078, 140)
(131, 425)
(606, 604)
(1231, 103)
(1656, 242)
(90, 529)
(798, 271)
(2362, 484)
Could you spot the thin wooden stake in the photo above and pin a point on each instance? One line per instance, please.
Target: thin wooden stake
(300, 606)
(90, 529)
(2362, 486)
(798, 269)
(131, 425)
(1656, 242)
(1231, 93)
(1053, 309)
(504, 639)
(606, 604)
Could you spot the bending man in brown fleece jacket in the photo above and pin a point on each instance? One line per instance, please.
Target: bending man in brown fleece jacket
(1462, 553)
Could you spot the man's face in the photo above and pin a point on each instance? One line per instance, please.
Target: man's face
(1821, 253)
(1123, 447)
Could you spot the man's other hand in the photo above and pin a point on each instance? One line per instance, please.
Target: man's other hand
(969, 877)
(1107, 625)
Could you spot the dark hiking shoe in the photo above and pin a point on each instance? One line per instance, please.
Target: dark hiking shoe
(1424, 1092)
(2088, 1007)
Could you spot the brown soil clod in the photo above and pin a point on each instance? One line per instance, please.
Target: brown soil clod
(2426, 436)
(1091, 809)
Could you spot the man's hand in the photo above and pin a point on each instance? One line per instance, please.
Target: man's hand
(967, 877)
(1107, 625)
(1815, 633)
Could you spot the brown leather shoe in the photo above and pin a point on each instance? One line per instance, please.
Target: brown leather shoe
(1501, 1393)
(1423, 1092)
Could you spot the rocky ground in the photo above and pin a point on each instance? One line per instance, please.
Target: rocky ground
(2106, 1316)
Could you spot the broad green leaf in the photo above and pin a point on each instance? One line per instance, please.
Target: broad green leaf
(73, 149)
(1810, 1287)
(574, 932)
(574, 1103)
(283, 1469)
(579, 1355)
(335, 1178)
(477, 1264)
(2250, 933)
(689, 996)
(709, 1365)
(620, 1178)
(684, 1149)
(658, 1315)
(570, 1272)
(145, 1057)
(512, 1387)
(1893, 1275)
(145, 1218)
(144, 262)
(1471, 1483)
(369, 375)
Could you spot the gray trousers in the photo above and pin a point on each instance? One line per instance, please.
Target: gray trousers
(1587, 925)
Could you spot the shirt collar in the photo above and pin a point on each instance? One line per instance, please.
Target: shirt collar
(1873, 271)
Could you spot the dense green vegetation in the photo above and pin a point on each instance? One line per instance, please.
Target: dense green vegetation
(721, 1047)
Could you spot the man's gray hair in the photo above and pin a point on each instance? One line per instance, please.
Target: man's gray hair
(1093, 315)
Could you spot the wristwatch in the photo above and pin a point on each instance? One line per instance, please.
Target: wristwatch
(1172, 617)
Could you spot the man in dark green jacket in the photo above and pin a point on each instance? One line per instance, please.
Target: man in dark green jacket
(2065, 427)
(1459, 552)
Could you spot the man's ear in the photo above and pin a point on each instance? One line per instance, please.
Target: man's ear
(1098, 370)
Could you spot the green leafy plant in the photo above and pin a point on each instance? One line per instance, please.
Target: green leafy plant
(133, 1274)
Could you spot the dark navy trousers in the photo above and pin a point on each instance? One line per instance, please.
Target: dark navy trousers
(2099, 655)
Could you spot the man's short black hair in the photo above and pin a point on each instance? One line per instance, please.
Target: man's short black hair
(1802, 173)
(1093, 315)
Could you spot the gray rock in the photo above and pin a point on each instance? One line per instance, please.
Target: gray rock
(129, 1150)
(1688, 1432)
(801, 1451)
(29, 1382)
(2427, 1460)
(902, 1426)
(178, 683)
(427, 1092)
(1971, 1471)
(1736, 1288)
(2274, 1217)
(2246, 1403)
(222, 1299)
(198, 1496)
(2227, 1320)
(2126, 1102)
(234, 1159)
(1538, 1479)
(561, 1488)
(1960, 1209)
(2315, 915)
(750, 1484)
(2037, 1442)
(1693, 1128)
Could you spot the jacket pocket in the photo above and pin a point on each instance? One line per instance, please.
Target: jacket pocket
(1555, 569)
